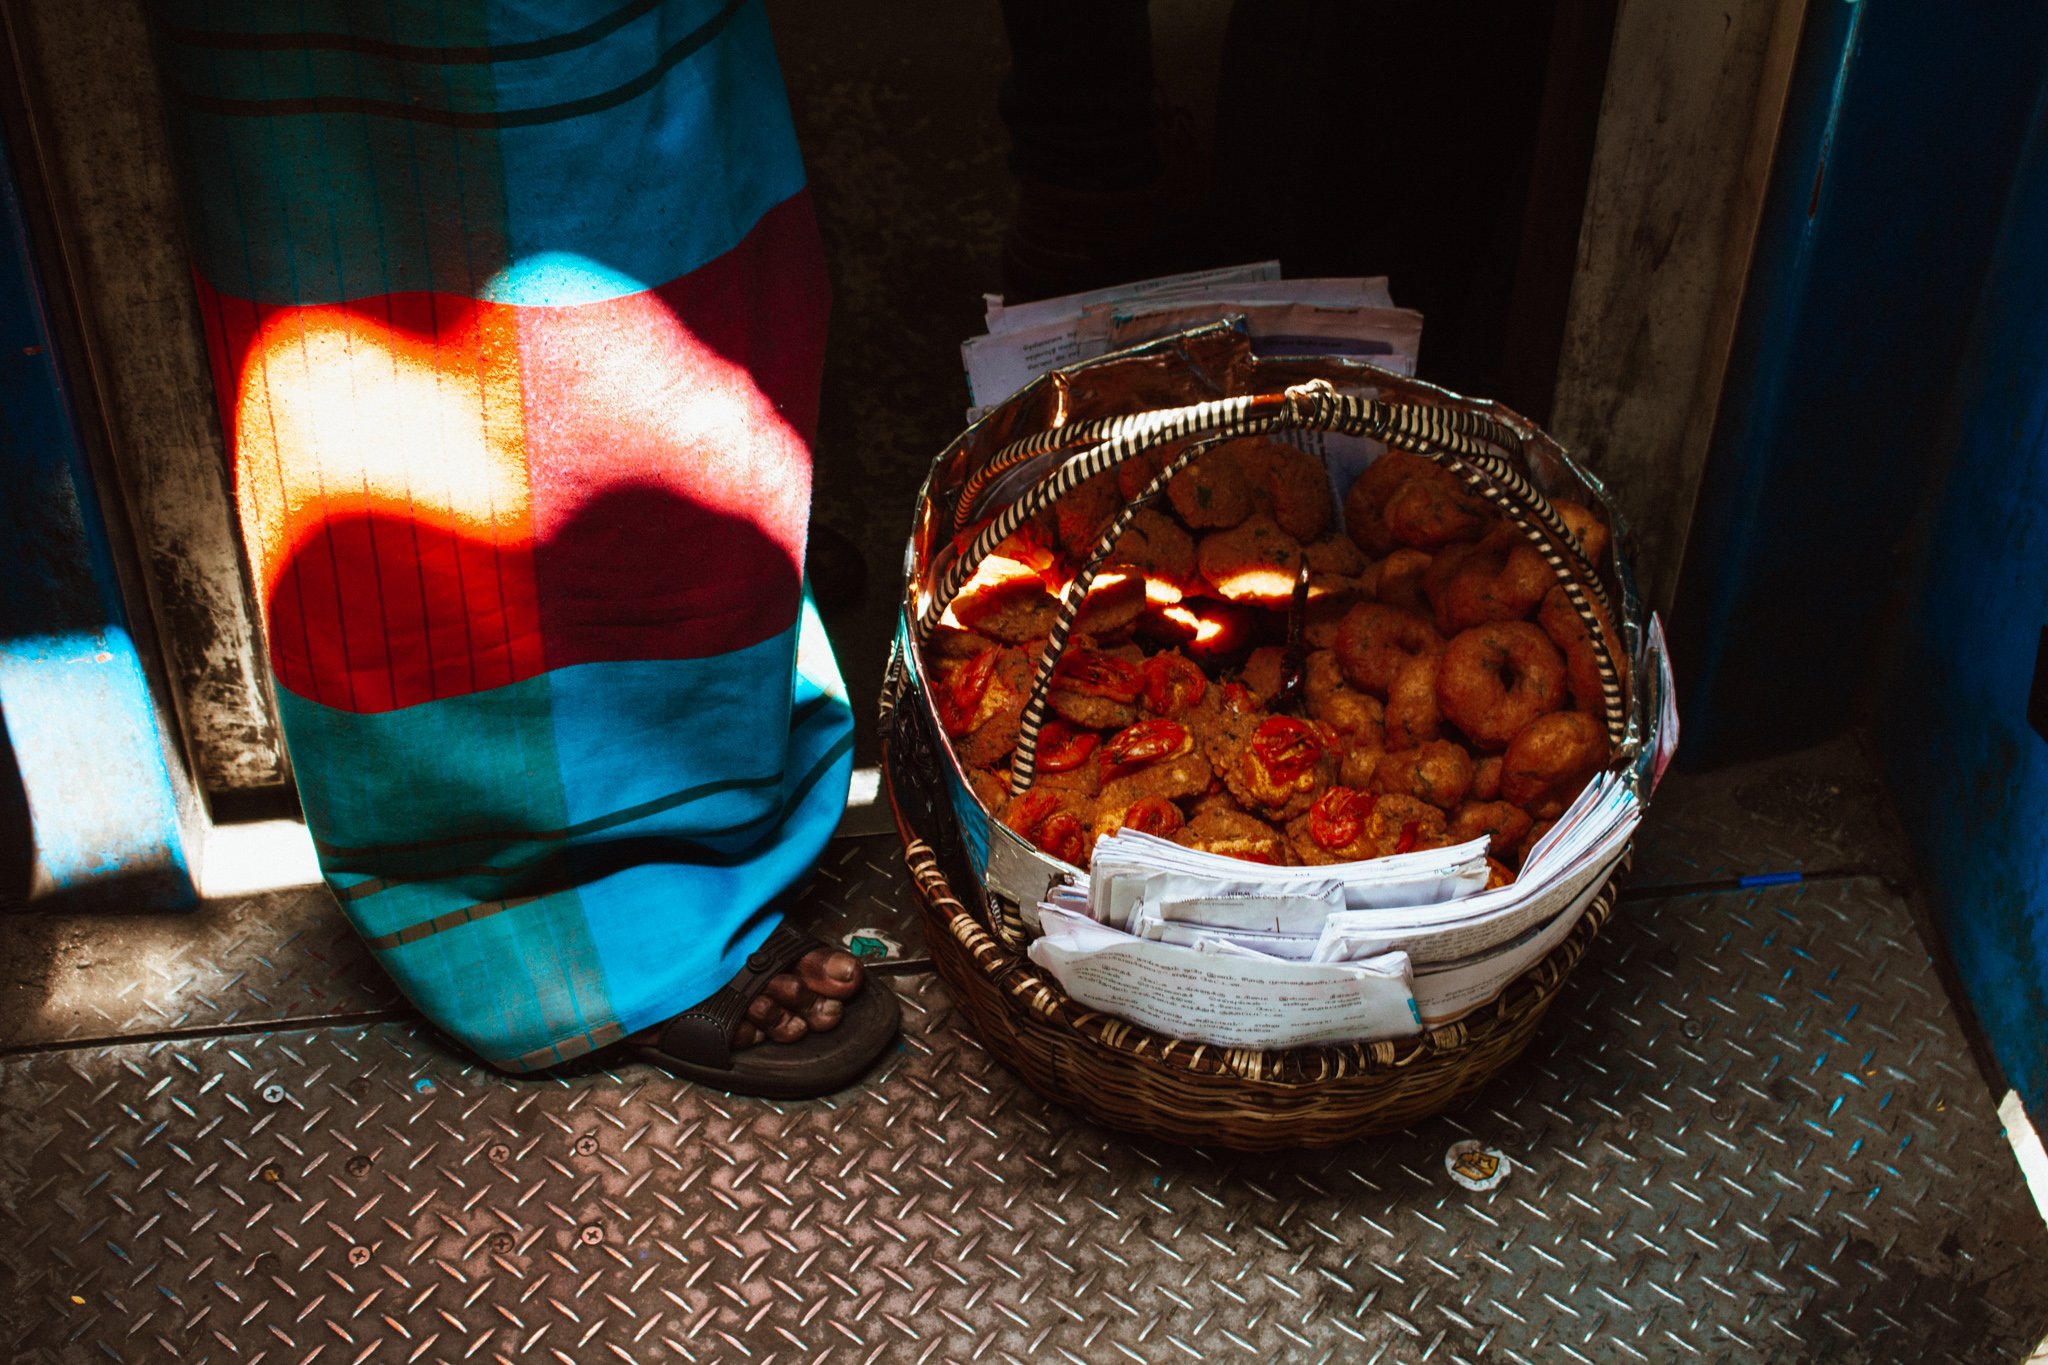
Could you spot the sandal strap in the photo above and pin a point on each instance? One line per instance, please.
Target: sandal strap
(704, 1032)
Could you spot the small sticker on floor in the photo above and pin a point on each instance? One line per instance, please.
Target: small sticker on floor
(1475, 1165)
(872, 945)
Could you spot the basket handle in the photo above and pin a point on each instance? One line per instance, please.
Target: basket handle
(1315, 405)
(1478, 449)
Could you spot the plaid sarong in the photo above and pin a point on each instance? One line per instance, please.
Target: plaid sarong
(516, 314)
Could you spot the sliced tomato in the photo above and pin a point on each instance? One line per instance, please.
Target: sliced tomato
(1146, 742)
(1411, 835)
(960, 702)
(1062, 748)
(1239, 698)
(1029, 810)
(1286, 746)
(1338, 817)
(1173, 683)
(1153, 815)
(1095, 674)
(1061, 835)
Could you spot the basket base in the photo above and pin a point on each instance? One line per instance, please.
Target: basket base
(1140, 1082)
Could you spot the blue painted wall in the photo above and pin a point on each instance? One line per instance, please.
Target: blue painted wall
(1872, 535)
(1902, 127)
(87, 809)
(1969, 772)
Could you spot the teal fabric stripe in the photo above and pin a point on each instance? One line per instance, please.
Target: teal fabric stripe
(338, 854)
(698, 854)
(371, 174)
(528, 860)
(535, 983)
(310, 28)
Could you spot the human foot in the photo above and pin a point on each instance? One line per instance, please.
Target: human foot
(827, 1022)
(808, 999)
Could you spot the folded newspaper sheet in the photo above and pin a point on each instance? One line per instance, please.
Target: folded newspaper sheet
(1213, 949)
(1350, 316)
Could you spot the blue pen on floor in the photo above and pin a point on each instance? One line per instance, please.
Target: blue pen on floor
(1770, 879)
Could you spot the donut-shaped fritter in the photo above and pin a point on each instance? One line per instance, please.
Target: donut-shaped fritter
(1486, 778)
(1351, 713)
(1366, 503)
(1567, 630)
(1212, 493)
(1428, 514)
(1006, 601)
(1254, 561)
(1234, 834)
(1403, 824)
(1585, 526)
(1162, 549)
(1412, 714)
(1438, 772)
(1497, 678)
(1374, 640)
(1547, 764)
(1501, 823)
(1500, 579)
(1287, 483)
(1399, 582)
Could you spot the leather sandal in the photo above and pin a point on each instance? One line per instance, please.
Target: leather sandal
(697, 1044)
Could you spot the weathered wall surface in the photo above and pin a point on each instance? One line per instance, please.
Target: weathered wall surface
(95, 105)
(1688, 125)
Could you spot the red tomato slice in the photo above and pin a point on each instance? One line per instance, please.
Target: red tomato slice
(1173, 684)
(1338, 817)
(1154, 815)
(1411, 835)
(1061, 835)
(1146, 742)
(1062, 748)
(961, 700)
(1286, 746)
(1096, 674)
(1029, 811)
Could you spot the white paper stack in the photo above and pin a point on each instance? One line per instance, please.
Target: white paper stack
(1352, 316)
(1213, 949)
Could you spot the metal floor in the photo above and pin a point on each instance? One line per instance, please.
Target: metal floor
(1752, 1129)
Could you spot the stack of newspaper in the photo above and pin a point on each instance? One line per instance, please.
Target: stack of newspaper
(1284, 317)
(1199, 946)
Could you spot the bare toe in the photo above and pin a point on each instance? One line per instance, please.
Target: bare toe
(823, 1015)
(746, 1036)
(764, 1012)
(831, 972)
(790, 992)
(790, 1029)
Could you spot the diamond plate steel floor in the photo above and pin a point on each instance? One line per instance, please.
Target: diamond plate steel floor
(1751, 1130)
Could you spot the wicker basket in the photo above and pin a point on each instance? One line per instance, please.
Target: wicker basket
(977, 881)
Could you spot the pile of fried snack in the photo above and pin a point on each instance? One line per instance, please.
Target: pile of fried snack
(1440, 687)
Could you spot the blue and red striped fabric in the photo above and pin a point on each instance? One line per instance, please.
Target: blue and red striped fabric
(516, 315)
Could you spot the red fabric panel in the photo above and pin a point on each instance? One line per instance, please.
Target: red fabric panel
(440, 496)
